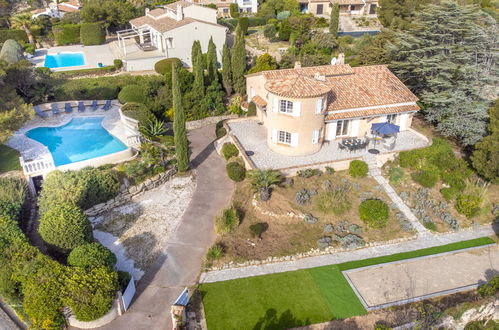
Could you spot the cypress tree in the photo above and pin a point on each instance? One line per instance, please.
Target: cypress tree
(198, 70)
(212, 61)
(335, 20)
(226, 70)
(239, 63)
(196, 49)
(179, 131)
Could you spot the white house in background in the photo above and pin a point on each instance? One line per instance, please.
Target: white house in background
(168, 32)
(245, 6)
(57, 10)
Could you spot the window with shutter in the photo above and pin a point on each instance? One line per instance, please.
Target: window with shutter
(315, 137)
(318, 107)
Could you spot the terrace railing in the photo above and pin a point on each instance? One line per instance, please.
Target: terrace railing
(133, 141)
(41, 165)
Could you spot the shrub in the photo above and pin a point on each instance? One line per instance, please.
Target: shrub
(221, 132)
(17, 35)
(396, 174)
(91, 255)
(329, 170)
(123, 279)
(257, 229)
(90, 293)
(84, 188)
(151, 154)
(87, 89)
(165, 66)
(65, 227)
(489, 289)
(11, 52)
(264, 181)
(308, 173)
(66, 34)
(469, 205)
(449, 193)
(243, 24)
(132, 93)
(234, 10)
(215, 252)
(136, 170)
(427, 177)
(12, 197)
(118, 64)
(167, 140)
(335, 200)
(229, 150)
(92, 34)
(251, 110)
(270, 31)
(235, 171)
(430, 225)
(137, 111)
(358, 168)
(228, 221)
(374, 213)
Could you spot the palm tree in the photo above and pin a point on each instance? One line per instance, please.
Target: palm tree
(264, 180)
(23, 21)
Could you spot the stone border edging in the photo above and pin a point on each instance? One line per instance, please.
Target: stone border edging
(195, 124)
(131, 192)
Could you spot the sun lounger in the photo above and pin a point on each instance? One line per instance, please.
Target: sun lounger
(67, 107)
(81, 106)
(39, 112)
(55, 109)
(93, 106)
(107, 106)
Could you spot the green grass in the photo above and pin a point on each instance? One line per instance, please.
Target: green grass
(302, 297)
(9, 159)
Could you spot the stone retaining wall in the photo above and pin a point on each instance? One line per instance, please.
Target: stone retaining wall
(131, 192)
(207, 121)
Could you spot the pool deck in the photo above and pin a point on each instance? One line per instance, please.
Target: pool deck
(93, 56)
(31, 149)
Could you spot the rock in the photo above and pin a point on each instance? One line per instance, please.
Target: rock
(328, 228)
(126, 182)
(310, 218)
(132, 189)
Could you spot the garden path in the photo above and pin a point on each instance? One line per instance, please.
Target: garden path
(375, 172)
(180, 264)
(421, 242)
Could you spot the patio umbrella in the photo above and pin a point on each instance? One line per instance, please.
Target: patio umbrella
(384, 129)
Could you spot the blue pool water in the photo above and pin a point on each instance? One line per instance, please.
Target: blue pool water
(80, 139)
(61, 60)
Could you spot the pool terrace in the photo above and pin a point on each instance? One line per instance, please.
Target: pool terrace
(93, 56)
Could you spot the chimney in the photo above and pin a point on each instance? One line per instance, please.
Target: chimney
(147, 11)
(297, 65)
(341, 58)
(180, 12)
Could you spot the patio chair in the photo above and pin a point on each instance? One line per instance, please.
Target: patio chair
(55, 108)
(93, 106)
(81, 106)
(67, 107)
(341, 146)
(39, 112)
(107, 106)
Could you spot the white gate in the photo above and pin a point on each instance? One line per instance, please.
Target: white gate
(128, 294)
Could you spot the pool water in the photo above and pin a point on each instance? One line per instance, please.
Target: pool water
(80, 139)
(61, 60)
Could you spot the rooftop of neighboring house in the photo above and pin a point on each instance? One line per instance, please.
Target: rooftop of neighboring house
(340, 2)
(345, 87)
(166, 18)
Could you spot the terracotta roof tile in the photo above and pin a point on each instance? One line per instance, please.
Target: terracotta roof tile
(371, 112)
(161, 25)
(259, 101)
(183, 4)
(156, 12)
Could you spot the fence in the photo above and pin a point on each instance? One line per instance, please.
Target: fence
(41, 165)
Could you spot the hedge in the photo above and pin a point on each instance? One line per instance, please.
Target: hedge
(91, 255)
(84, 72)
(12, 197)
(92, 34)
(18, 35)
(132, 93)
(165, 66)
(66, 34)
(229, 150)
(358, 168)
(137, 111)
(235, 171)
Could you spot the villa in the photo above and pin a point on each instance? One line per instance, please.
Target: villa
(168, 32)
(58, 10)
(245, 6)
(347, 7)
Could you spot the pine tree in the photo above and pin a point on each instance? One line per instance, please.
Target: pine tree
(335, 20)
(446, 59)
(212, 61)
(179, 131)
(239, 63)
(198, 70)
(196, 49)
(226, 70)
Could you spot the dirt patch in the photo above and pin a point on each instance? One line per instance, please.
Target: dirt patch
(144, 225)
(288, 233)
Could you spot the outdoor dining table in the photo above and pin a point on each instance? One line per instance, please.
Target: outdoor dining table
(351, 144)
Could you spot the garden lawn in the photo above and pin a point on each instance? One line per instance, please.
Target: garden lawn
(302, 297)
(9, 159)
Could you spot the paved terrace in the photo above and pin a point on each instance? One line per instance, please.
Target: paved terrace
(31, 149)
(253, 138)
(93, 56)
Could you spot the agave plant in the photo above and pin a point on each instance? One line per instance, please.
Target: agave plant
(263, 181)
(154, 127)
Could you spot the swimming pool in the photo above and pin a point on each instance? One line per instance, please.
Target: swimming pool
(80, 139)
(61, 60)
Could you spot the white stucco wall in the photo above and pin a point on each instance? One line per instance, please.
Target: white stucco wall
(185, 35)
(202, 13)
(244, 4)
